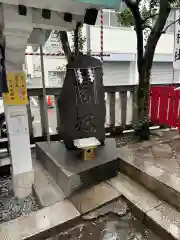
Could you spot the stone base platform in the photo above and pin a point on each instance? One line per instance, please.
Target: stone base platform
(71, 173)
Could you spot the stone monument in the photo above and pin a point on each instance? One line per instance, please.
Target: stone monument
(82, 101)
(82, 115)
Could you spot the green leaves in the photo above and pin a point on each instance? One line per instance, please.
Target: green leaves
(82, 39)
(125, 18)
(149, 10)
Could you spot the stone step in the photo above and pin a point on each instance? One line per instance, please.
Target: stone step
(41, 224)
(160, 217)
(46, 191)
(165, 185)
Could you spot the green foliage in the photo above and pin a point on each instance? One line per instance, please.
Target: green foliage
(148, 13)
(125, 18)
(149, 19)
(81, 40)
(149, 10)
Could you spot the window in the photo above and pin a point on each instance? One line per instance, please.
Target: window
(55, 78)
(113, 20)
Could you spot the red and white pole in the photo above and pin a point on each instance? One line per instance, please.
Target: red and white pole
(102, 36)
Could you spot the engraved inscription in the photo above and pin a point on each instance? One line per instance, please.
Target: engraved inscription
(85, 124)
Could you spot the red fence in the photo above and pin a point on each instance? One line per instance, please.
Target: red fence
(164, 106)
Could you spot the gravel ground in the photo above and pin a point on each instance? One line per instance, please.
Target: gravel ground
(11, 207)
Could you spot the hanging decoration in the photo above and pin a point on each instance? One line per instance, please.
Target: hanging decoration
(176, 60)
(102, 36)
(85, 78)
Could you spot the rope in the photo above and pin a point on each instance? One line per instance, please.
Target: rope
(102, 47)
(62, 54)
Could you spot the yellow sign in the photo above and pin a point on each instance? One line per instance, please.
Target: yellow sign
(17, 86)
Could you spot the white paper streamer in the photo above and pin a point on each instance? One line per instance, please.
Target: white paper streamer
(176, 60)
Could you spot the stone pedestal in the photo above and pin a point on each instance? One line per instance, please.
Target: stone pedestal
(70, 172)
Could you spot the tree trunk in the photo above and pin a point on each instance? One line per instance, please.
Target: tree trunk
(65, 45)
(76, 41)
(142, 125)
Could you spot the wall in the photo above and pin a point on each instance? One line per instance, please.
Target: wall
(123, 40)
(119, 42)
(50, 64)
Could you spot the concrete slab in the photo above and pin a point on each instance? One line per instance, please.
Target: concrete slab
(140, 199)
(165, 221)
(70, 172)
(46, 191)
(41, 224)
(94, 197)
(118, 207)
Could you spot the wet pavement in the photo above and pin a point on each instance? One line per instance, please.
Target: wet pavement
(162, 150)
(109, 227)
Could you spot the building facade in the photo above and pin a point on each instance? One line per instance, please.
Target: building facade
(120, 66)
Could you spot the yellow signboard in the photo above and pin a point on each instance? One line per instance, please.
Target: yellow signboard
(17, 86)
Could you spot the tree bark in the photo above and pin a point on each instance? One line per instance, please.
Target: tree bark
(145, 61)
(65, 45)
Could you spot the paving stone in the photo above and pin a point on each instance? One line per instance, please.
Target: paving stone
(176, 137)
(94, 197)
(118, 207)
(167, 218)
(136, 194)
(175, 145)
(162, 151)
(146, 144)
(170, 165)
(159, 133)
(146, 153)
(38, 223)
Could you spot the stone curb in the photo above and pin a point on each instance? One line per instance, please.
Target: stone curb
(158, 216)
(163, 184)
(42, 224)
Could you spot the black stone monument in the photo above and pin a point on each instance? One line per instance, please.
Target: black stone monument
(81, 104)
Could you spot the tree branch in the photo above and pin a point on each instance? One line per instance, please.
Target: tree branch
(164, 31)
(151, 16)
(131, 4)
(147, 26)
(156, 33)
(138, 2)
(65, 44)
